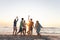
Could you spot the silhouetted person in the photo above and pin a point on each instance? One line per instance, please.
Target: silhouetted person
(24, 28)
(15, 27)
(30, 26)
(21, 26)
(38, 27)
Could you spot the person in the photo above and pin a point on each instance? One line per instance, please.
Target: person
(24, 28)
(21, 26)
(30, 26)
(15, 27)
(38, 27)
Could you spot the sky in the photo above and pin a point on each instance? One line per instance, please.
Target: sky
(47, 12)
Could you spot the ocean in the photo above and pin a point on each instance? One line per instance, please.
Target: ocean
(44, 30)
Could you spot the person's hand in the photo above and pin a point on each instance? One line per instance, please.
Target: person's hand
(41, 27)
(17, 18)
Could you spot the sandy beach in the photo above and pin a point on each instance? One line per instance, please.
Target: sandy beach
(29, 37)
(46, 34)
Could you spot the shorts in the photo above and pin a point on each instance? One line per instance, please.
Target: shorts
(15, 28)
(24, 28)
(31, 28)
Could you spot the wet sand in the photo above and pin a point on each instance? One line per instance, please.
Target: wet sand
(29, 37)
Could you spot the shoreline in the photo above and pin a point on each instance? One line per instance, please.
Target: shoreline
(36, 35)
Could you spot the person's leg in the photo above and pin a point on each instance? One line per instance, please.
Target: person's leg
(16, 30)
(38, 33)
(28, 32)
(25, 31)
(31, 31)
(13, 30)
(21, 33)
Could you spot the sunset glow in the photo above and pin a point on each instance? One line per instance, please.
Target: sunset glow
(46, 11)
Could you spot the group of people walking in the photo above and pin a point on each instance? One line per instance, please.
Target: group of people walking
(26, 27)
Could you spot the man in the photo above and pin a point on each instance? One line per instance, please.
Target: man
(38, 27)
(24, 28)
(30, 27)
(21, 26)
(15, 27)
